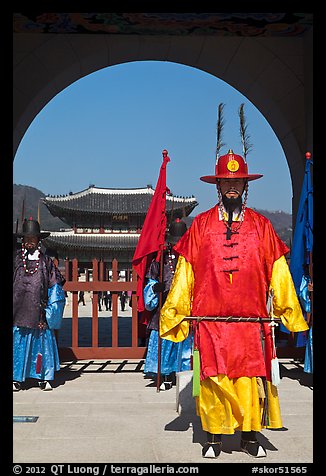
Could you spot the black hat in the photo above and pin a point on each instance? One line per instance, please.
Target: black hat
(176, 230)
(32, 228)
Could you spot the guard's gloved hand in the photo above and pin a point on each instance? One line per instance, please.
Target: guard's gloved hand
(158, 287)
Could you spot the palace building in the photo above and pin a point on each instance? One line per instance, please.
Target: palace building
(105, 223)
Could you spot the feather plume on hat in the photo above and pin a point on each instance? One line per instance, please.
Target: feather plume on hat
(219, 129)
(246, 145)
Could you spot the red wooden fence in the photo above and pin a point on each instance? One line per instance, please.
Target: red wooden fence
(97, 284)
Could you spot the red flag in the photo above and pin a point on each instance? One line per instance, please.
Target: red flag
(152, 236)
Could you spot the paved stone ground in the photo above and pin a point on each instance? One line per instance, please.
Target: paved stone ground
(106, 411)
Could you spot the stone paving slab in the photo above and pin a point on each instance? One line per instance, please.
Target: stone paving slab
(106, 411)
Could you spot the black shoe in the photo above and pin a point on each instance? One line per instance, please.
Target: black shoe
(166, 385)
(45, 385)
(212, 450)
(16, 386)
(253, 448)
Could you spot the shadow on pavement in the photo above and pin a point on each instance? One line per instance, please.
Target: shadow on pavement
(72, 370)
(189, 419)
(107, 366)
(297, 373)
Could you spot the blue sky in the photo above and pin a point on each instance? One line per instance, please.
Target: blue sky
(110, 127)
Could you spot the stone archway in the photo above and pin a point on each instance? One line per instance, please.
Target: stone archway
(273, 72)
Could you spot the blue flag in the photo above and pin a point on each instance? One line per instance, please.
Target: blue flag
(301, 257)
(303, 233)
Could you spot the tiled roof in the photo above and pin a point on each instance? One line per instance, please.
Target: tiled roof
(107, 201)
(92, 241)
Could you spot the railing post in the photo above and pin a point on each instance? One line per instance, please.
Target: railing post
(134, 314)
(67, 276)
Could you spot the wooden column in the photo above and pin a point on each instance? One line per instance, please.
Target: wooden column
(95, 306)
(114, 305)
(74, 324)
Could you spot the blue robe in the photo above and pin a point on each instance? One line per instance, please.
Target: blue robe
(175, 356)
(31, 293)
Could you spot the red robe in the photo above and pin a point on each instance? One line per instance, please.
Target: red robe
(232, 349)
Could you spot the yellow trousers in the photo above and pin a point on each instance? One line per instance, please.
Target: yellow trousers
(225, 405)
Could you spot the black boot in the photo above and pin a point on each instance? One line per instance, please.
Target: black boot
(166, 382)
(249, 444)
(16, 386)
(44, 385)
(213, 447)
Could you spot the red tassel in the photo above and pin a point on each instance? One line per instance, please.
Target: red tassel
(38, 363)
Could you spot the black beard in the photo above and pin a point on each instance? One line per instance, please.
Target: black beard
(31, 250)
(231, 204)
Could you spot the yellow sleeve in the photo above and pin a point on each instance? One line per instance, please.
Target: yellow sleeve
(286, 304)
(178, 303)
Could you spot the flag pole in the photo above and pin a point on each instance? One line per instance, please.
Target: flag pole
(310, 289)
(39, 212)
(23, 210)
(152, 237)
(310, 285)
(159, 339)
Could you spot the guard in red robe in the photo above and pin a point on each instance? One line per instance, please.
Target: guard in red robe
(232, 265)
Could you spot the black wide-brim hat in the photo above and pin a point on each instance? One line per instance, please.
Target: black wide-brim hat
(32, 228)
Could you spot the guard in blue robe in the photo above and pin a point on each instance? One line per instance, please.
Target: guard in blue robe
(175, 356)
(38, 305)
(304, 297)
